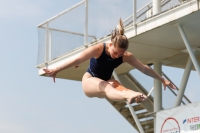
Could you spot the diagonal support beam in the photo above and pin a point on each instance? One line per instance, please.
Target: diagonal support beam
(130, 108)
(187, 44)
(183, 82)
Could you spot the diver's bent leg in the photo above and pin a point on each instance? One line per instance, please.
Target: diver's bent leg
(95, 87)
(120, 87)
(117, 85)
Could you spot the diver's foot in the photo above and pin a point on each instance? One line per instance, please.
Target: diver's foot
(136, 97)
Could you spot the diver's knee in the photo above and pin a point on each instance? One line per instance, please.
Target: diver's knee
(88, 94)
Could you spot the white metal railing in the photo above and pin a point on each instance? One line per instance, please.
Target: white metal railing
(60, 14)
(53, 42)
(147, 11)
(79, 25)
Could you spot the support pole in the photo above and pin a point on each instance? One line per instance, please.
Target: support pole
(187, 44)
(183, 82)
(156, 7)
(130, 107)
(157, 91)
(157, 88)
(86, 24)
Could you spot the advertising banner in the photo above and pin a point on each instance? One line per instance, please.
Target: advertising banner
(182, 119)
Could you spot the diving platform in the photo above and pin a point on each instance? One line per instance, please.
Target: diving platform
(166, 35)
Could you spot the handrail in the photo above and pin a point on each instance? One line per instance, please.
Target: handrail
(137, 12)
(72, 32)
(163, 3)
(147, 5)
(78, 4)
(140, 16)
(176, 87)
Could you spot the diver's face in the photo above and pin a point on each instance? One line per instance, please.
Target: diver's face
(116, 52)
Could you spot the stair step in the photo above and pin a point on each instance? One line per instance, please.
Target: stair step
(149, 123)
(136, 108)
(118, 104)
(148, 126)
(139, 115)
(150, 130)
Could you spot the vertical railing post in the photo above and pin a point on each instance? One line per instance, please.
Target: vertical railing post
(197, 1)
(135, 15)
(156, 6)
(50, 44)
(130, 107)
(86, 24)
(47, 44)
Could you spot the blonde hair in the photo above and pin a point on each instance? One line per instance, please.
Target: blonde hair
(118, 38)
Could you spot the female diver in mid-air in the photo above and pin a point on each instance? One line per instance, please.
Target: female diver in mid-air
(104, 58)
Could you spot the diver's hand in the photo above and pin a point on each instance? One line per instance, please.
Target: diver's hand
(51, 72)
(169, 84)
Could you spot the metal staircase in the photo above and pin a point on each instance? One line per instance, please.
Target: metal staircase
(144, 110)
(147, 122)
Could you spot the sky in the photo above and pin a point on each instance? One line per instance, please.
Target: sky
(30, 103)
